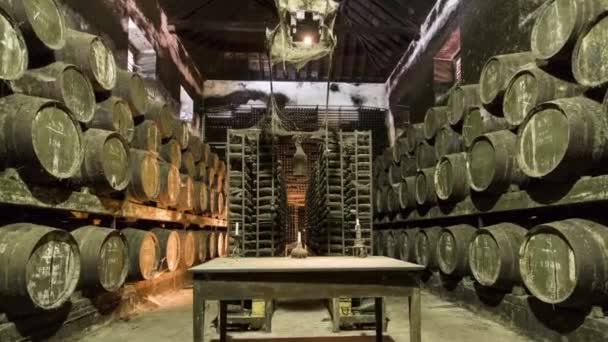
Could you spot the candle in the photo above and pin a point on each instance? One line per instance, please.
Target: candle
(237, 229)
(299, 237)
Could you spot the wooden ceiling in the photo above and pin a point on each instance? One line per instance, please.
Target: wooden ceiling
(226, 38)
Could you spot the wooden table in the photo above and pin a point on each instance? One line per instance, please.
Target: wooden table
(227, 279)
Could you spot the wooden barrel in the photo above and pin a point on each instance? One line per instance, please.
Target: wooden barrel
(393, 205)
(163, 115)
(566, 263)
(453, 249)
(425, 155)
(170, 248)
(407, 242)
(185, 200)
(558, 26)
(589, 58)
(147, 137)
(425, 248)
(201, 174)
(425, 187)
(104, 257)
(451, 179)
(61, 82)
(220, 203)
(144, 253)
(203, 246)
(461, 100)
(47, 30)
(406, 193)
(400, 149)
(414, 134)
(394, 174)
(115, 115)
(435, 118)
(447, 142)
(390, 243)
(213, 161)
(211, 178)
(195, 147)
(212, 238)
(496, 74)
(39, 267)
(181, 133)
(494, 255)
(91, 55)
(188, 165)
(171, 152)
(531, 87)
(170, 184)
(379, 244)
(145, 176)
(221, 238)
(478, 122)
(563, 139)
(206, 153)
(39, 137)
(105, 167)
(493, 165)
(381, 199)
(408, 166)
(201, 198)
(14, 49)
(130, 86)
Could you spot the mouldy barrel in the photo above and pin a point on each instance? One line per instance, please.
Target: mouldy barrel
(451, 179)
(130, 86)
(461, 100)
(201, 198)
(414, 133)
(47, 30)
(212, 238)
(425, 155)
(188, 166)
(494, 255)
(531, 87)
(206, 153)
(39, 267)
(211, 178)
(425, 249)
(147, 137)
(589, 59)
(40, 137)
(565, 263)
(185, 200)
(14, 53)
(145, 176)
(448, 141)
(408, 166)
(163, 115)
(170, 183)
(558, 26)
(435, 118)
(478, 122)
(380, 245)
(407, 243)
(91, 55)
(392, 201)
(390, 243)
(195, 146)
(171, 152)
(407, 193)
(496, 74)
(425, 187)
(144, 253)
(106, 161)
(61, 82)
(181, 133)
(114, 114)
(104, 256)
(492, 165)
(394, 174)
(399, 149)
(200, 174)
(170, 248)
(563, 139)
(381, 199)
(453, 249)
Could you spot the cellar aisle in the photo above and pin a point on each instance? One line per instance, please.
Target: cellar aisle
(172, 321)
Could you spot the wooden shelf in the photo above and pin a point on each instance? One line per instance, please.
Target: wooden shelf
(15, 192)
(537, 196)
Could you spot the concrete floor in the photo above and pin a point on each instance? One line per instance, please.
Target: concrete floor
(169, 318)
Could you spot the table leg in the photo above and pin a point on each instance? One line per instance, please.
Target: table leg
(335, 314)
(415, 316)
(198, 312)
(379, 319)
(268, 312)
(223, 320)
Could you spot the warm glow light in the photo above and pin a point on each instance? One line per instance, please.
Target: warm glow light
(308, 41)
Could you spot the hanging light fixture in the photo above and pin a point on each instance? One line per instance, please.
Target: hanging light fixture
(299, 159)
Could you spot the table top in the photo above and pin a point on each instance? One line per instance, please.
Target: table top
(310, 264)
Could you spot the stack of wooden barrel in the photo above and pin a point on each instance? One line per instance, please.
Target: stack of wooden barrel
(536, 117)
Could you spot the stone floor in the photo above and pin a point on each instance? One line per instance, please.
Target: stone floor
(169, 318)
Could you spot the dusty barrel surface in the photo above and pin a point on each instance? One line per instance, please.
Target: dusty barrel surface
(14, 54)
(453, 249)
(563, 139)
(379, 245)
(394, 174)
(206, 153)
(164, 116)
(451, 179)
(106, 161)
(104, 256)
(91, 55)
(171, 152)
(425, 250)
(170, 183)
(203, 246)
(40, 137)
(201, 198)
(435, 118)
(381, 199)
(425, 155)
(62, 82)
(414, 134)
(144, 253)
(170, 248)
(492, 165)
(461, 100)
(406, 193)
(400, 149)
(447, 142)
(496, 74)
(478, 121)
(212, 238)
(188, 165)
(407, 242)
(201, 174)
(393, 205)
(114, 114)
(185, 201)
(531, 87)
(565, 262)
(390, 243)
(408, 166)
(41, 21)
(147, 137)
(195, 146)
(221, 243)
(589, 58)
(494, 255)
(425, 187)
(181, 133)
(144, 170)
(130, 86)
(39, 265)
